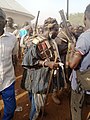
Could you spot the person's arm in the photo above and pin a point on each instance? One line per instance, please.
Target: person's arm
(50, 64)
(22, 42)
(75, 58)
(15, 48)
(79, 50)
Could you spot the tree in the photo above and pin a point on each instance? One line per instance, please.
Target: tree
(76, 18)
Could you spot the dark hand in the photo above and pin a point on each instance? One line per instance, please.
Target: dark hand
(52, 65)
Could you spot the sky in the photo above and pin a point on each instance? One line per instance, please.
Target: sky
(51, 8)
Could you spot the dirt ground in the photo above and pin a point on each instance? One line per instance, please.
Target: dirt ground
(53, 111)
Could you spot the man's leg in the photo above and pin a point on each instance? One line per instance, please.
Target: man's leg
(8, 96)
(55, 91)
(33, 108)
(76, 105)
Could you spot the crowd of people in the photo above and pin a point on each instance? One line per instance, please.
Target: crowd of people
(51, 61)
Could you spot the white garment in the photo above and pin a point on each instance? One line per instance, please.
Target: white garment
(73, 78)
(8, 47)
(39, 102)
(22, 42)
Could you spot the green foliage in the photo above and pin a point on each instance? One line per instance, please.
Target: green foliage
(76, 18)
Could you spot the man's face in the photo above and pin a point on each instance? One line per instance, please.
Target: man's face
(69, 26)
(84, 20)
(2, 23)
(9, 22)
(54, 31)
(87, 20)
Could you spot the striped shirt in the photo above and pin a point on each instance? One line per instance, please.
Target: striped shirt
(8, 47)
